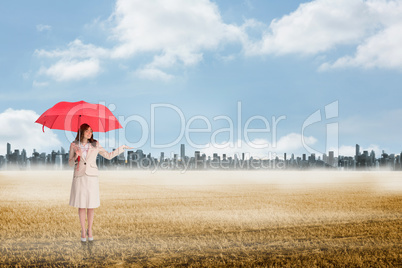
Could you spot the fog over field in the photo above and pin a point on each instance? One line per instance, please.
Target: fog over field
(206, 218)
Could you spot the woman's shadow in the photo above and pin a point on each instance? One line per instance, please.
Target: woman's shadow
(87, 248)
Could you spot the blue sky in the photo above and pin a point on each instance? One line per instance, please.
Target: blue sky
(197, 65)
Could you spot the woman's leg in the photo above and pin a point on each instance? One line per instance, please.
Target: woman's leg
(81, 213)
(91, 212)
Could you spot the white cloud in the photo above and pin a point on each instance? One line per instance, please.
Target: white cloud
(77, 62)
(178, 27)
(18, 129)
(347, 150)
(177, 31)
(39, 84)
(381, 50)
(153, 74)
(72, 70)
(42, 27)
(293, 141)
(262, 148)
(315, 27)
(373, 27)
(75, 49)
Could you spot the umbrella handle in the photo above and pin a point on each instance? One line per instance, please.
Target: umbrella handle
(78, 161)
(43, 128)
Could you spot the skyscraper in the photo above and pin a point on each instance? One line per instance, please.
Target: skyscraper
(197, 155)
(331, 159)
(357, 150)
(8, 149)
(182, 152)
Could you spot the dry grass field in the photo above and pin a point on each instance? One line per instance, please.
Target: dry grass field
(207, 219)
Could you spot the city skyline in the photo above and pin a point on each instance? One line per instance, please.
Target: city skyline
(139, 160)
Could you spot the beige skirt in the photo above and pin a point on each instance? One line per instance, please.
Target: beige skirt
(85, 192)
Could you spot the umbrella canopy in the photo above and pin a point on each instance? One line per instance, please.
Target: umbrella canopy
(71, 115)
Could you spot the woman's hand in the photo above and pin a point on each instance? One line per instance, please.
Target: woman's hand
(125, 147)
(77, 151)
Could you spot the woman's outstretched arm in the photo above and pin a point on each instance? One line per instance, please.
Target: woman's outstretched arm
(113, 154)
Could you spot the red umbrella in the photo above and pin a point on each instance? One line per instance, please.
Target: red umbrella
(71, 115)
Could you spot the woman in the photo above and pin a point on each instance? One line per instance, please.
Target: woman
(85, 187)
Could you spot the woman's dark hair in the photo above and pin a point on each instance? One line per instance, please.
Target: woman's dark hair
(81, 132)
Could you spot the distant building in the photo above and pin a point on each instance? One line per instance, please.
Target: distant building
(331, 159)
(59, 160)
(8, 150)
(357, 151)
(182, 152)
